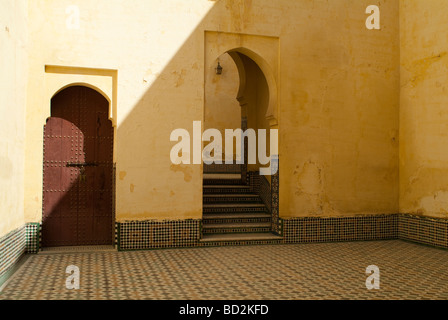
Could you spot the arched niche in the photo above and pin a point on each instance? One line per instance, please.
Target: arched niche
(262, 50)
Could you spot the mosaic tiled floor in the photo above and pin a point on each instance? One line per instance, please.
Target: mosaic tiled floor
(308, 271)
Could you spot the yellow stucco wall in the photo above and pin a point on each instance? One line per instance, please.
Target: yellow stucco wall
(423, 108)
(153, 47)
(338, 116)
(337, 94)
(222, 110)
(13, 87)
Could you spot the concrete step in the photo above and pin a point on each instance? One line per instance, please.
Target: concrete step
(223, 176)
(222, 181)
(240, 227)
(231, 198)
(230, 195)
(241, 205)
(212, 218)
(243, 238)
(223, 168)
(234, 208)
(237, 225)
(226, 189)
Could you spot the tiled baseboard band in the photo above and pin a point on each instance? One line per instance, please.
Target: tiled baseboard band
(141, 235)
(12, 247)
(332, 229)
(32, 235)
(424, 230)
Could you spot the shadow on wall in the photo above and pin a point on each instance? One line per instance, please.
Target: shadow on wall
(149, 186)
(222, 110)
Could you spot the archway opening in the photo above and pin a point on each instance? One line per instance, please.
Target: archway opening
(237, 98)
(237, 200)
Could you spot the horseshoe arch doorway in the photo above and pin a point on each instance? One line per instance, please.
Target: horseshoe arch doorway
(78, 170)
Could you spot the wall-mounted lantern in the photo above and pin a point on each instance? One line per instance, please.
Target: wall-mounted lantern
(218, 69)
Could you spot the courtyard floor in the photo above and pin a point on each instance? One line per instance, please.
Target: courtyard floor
(271, 272)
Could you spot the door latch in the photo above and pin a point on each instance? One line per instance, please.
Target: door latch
(81, 166)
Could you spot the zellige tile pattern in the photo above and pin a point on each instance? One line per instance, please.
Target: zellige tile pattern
(305, 271)
(12, 247)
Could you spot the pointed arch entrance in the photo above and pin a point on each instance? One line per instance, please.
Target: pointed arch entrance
(240, 202)
(78, 170)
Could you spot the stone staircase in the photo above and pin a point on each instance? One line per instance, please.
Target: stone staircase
(232, 214)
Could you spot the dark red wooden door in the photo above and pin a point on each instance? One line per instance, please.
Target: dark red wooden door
(78, 170)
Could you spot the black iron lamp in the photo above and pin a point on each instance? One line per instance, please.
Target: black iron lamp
(218, 68)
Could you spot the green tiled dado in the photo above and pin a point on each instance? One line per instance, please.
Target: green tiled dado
(139, 235)
(331, 229)
(425, 230)
(32, 237)
(12, 247)
(14, 244)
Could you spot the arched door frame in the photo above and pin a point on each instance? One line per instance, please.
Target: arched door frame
(88, 85)
(109, 117)
(272, 110)
(271, 115)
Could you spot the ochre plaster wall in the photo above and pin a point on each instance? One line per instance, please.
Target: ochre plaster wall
(222, 110)
(13, 89)
(423, 108)
(153, 45)
(338, 116)
(337, 94)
